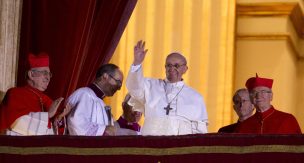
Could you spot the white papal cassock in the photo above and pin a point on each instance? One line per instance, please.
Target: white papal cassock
(188, 114)
(88, 116)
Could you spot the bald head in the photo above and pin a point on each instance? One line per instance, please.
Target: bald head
(242, 91)
(177, 56)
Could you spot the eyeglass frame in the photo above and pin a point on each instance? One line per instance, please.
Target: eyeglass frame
(44, 73)
(263, 92)
(176, 66)
(118, 82)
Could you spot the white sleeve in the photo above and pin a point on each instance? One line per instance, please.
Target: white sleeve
(135, 83)
(80, 118)
(135, 68)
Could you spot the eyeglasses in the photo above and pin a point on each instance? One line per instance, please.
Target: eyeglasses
(175, 65)
(118, 82)
(44, 73)
(262, 92)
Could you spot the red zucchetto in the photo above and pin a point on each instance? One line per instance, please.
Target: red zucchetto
(257, 81)
(40, 60)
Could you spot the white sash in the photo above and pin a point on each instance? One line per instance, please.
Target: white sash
(35, 123)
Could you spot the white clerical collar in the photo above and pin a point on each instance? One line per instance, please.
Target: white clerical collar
(177, 84)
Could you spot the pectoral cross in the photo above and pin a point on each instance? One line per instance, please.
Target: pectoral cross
(167, 108)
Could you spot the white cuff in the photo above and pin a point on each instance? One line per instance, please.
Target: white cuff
(135, 68)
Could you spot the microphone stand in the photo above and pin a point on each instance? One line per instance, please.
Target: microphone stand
(109, 115)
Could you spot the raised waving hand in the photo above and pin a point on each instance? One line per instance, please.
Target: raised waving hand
(139, 52)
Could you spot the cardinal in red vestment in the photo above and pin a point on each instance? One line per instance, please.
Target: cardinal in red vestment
(23, 107)
(267, 119)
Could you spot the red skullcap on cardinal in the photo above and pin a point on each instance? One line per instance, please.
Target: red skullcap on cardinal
(40, 60)
(257, 81)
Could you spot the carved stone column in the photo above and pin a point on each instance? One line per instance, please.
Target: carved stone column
(10, 22)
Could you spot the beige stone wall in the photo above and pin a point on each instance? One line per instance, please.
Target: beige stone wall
(300, 93)
(10, 16)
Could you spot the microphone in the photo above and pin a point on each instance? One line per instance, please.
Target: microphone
(109, 115)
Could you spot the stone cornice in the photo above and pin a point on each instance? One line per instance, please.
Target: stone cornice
(294, 47)
(292, 10)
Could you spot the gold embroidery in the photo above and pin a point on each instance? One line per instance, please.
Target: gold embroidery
(152, 151)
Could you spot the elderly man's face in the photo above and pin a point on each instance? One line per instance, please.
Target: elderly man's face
(175, 68)
(40, 77)
(261, 97)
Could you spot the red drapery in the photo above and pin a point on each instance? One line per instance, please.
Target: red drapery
(79, 36)
(186, 148)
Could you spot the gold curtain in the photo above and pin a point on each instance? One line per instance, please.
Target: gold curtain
(202, 30)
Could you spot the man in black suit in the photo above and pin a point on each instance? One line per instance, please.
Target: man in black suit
(243, 108)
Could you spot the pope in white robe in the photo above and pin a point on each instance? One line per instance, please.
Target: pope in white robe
(170, 106)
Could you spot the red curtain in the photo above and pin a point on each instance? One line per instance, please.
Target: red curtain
(79, 36)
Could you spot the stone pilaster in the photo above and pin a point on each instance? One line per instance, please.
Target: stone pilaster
(10, 22)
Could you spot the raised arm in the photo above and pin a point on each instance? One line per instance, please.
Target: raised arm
(135, 79)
